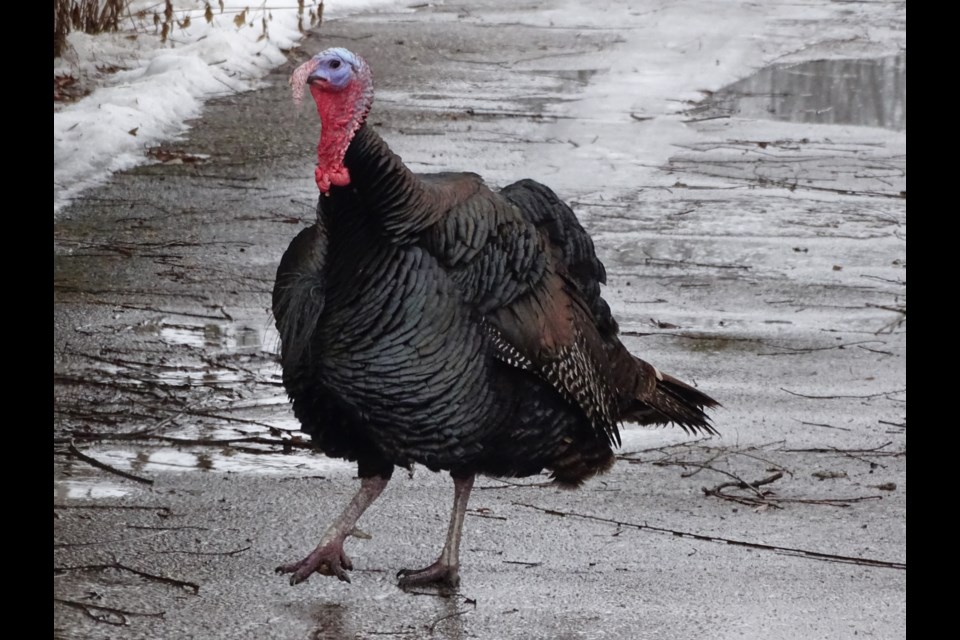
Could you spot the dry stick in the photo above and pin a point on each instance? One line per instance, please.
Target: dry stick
(826, 426)
(717, 491)
(205, 442)
(149, 528)
(510, 485)
(484, 515)
(654, 260)
(112, 506)
(702, 466)
(664, 447)
(210, 553)
(855, 457)
(102, 465)
(739, 481)
(902, 425)
(831, 502)
(122, 567)
(871, 395)
(744, 485)
(448, 616)
(791, 351)
(90, 609)
(883, 353)
(770, 462)
(874, 451)
(802, 553)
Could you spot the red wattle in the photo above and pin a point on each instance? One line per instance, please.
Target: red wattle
(339, 121)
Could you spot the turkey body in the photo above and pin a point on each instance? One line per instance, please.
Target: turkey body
(427, 319)
(407, 360)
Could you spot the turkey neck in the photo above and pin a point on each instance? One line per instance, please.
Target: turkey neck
(387, 190)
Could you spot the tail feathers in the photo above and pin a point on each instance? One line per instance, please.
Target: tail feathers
(664, 399)
(571, 469)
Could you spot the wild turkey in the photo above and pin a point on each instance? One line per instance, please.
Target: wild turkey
(429, 319)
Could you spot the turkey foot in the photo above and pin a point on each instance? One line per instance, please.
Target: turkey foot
(438, 573)
(327, 560)
(446, 570)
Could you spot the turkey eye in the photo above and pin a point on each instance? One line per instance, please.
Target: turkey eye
(334, 64)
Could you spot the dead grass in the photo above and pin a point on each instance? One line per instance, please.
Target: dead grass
(90, 16)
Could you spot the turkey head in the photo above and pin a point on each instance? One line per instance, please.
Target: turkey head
(342, 86)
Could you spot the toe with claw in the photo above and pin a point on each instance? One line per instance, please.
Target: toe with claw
(327, 560)
(438, 573)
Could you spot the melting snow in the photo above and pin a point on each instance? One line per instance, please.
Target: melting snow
(162, 85)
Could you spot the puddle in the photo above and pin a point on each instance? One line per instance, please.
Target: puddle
(214, 335)
(86, 490)
(571, 80)
(871, 93)
(223, 460)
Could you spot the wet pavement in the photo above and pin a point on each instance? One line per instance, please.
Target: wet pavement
(755, 240)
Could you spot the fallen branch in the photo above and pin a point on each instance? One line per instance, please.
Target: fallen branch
(670, 261)
(767, 501)
(433, 626)
(122, 567)
(166, 510)
(871, 395)
(627, 456)
(790, 351)
(880, 351)
(103, 465)
(801, 553)
(739, 481)
(203, 442)
(211, 553)
(510, 485)
(90, 611)
(743, 485)
(875, 451)
(825, 426)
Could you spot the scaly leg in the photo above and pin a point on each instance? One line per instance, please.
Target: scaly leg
(329, 558)
(446, 570)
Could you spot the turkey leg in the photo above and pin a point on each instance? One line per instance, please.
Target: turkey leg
(328, 558)
(446, 570)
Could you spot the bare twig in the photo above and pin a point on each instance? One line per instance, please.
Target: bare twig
(510, 485)
(669, 261)
(819, 424)
(870, 395)
(790, 351)
(183, 528)
(739, 481)
(210, 553)
(203, 442)
(90, 610)
(122, 567)
(717, 491)
(744, 485)
(874, 451)
(433, 626)
(485, 515)
(165, 510)
(106, 467)
(802, 553)
(880, 351)
(702, 466)
(627, 456)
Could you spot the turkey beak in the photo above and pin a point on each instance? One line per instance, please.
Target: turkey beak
(318, 78)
